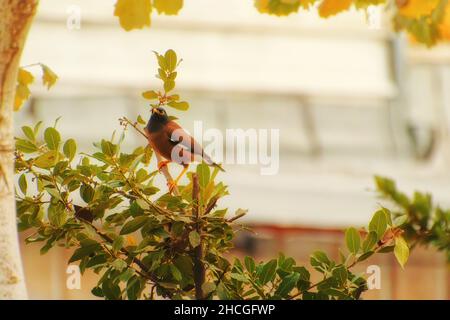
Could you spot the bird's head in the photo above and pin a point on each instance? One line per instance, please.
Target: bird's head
(159, 115)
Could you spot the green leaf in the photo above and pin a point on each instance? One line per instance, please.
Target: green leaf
(352, 240)
(70, 149)
(96, 261)
(84, 251)
(87, 193)
(142, 204)
(37, 127)
(319, 261)
(119, 264)
(134, 224)
(111, 290)
(400, 220)
(108, 148)
(238, 277)
(52, 138)
(401, 251)
(388, 215)
(267, 272)
(179, 105)
(378, 224)
(23, 183)
(170, 56)
(175, 272)
(387, 249)
(340, 273)
(57, 215)
(133, 288)
(140, 120)
(370, 241)
(203, 174)
(194, 238)
(249, 264)
(26, 146)
(47, 160)
(29, 133)
(287, 284)
(118, 243)
(365, 256)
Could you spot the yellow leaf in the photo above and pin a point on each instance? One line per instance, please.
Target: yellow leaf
(48, 76)
(133, 14)
(331, 7)
(401, 251)
(150, 95)
(168, 7)
(444, 27)
(262, 5)
(279, 7)
(47, 159)
(22, 95)
(24, 77)
(416, 8)
(307, 3)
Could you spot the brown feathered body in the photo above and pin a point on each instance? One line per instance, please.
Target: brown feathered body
(172, 142)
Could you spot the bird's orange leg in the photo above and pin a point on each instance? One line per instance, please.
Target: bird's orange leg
(172, 184)
(163, 164)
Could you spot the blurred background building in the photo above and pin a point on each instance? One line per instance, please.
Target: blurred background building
(351, 99)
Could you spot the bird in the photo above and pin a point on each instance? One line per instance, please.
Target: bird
(174, 144)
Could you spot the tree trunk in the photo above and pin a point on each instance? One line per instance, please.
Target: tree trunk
(15, 20)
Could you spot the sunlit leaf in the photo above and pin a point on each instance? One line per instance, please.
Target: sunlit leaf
(416, 8)
(378, 224)
(279, 7)
(332, 7)
(52, 138)
(168, 7)
(134, 224)
(169, 85)
(352, 240)
(49, 78)
(70, 149)
(23, 183)
(171, 60)
(194, 238)
(133, 14)
(181, 105)
(401, 251)
(150, 95)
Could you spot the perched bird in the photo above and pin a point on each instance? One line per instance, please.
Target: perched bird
(174, 144)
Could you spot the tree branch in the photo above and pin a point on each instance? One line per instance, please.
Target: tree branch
(164, 170)
(199, 266)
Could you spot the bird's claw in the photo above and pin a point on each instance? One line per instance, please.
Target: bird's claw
(171, 185)
(162, 164)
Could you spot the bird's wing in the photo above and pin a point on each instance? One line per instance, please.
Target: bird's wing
(177, 135)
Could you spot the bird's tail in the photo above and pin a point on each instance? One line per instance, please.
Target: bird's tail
(211, 163)
(218, 166)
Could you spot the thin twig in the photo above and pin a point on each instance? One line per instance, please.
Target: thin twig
(237, 217)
